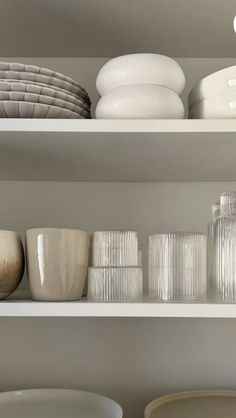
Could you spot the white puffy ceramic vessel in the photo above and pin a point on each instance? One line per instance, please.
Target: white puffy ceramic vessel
(221, 106)
(140, 102)
(212, 85)
(140, 69)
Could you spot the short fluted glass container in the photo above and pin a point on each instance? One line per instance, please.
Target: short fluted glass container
(225, 249)
(114, 284)
(115, 248)
(177, 266)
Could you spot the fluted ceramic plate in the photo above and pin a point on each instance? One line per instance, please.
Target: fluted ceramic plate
(72, 96)
(16, 109)
(57, 403)
(39, 98)
(42, 78)
(197, 404)
(6, 86)
(15, 66)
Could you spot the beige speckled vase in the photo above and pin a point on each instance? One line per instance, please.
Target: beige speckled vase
(11, 262)
(57, 262)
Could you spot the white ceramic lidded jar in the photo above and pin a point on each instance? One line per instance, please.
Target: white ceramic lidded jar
(57, 262)
(211, 250)
(12, 262)
(225, 249)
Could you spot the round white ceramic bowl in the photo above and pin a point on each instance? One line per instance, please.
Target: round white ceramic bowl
(57, 261)
(140, 102)
(11, 262)
(221, 106)
(60, 403)
(213, 84)
(140, 69)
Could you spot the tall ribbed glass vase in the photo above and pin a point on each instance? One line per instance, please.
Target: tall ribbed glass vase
(211, 251)
(225, 242)
(177, 266)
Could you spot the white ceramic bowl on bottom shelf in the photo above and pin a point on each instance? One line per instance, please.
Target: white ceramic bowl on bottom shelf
(57, 403)
(221, 106)
(140, 102)
(140, 69)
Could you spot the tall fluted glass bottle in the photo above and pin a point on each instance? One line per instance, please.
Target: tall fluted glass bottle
(225, 249)
(211, 250)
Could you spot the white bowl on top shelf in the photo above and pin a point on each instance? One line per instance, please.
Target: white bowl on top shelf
(140, 102)
(212, 85)
(140, 69)
(221, 106)
(57, 403)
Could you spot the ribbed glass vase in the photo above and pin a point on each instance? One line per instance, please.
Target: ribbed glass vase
(211, 251)
(225, 248)
(115, 248)
(115, 284)
(177, 266)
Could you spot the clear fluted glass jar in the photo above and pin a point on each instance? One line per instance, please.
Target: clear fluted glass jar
(225, 250)
(211, 251)
(177, 266)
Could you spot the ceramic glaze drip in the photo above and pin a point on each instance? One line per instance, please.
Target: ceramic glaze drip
(177, 266)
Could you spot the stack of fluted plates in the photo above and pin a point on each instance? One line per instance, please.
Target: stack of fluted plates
(28, 91)
(115, 275)
(140, 86)
(214, 97)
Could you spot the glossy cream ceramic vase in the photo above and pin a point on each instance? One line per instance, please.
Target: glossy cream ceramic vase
(11, 262)
(57, 261)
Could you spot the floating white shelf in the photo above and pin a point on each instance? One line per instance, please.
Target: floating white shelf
(117, 150)
(145, 309)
